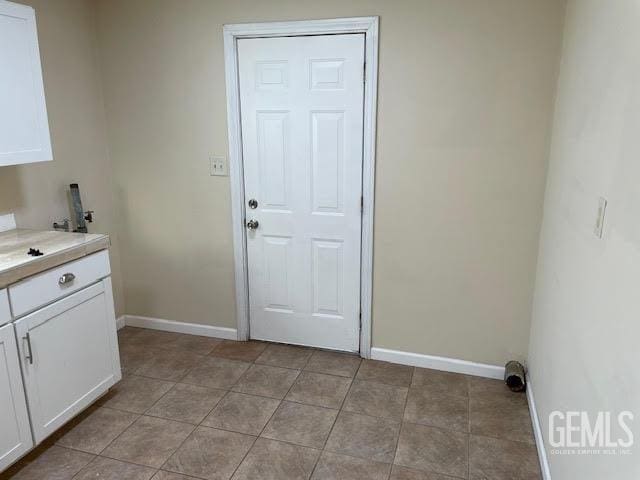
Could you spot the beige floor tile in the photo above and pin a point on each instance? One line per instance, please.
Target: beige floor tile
(271, 460)
(194, 344)
(441, 382)
(286, 356)
(164, 475)
(210, 453)
(437, 410)
(384, 372)
(132, 357)
(149, 441)
(304, 425)
(55, 463)
(171, 365)
(154, 338)
(332, 466)
(109, 469)
(242, 413)
(376, 399)
(433, 450)
(136, 394)
(174, 341)
(216, 372)
(364, 437)
(127, 335)
(266, 381)
(479, 386)
(332, 363)
(505, 417)
(97, 430)
(495, 459)
(404, 473)
(319, 389)
(187, 403)
(244, 351)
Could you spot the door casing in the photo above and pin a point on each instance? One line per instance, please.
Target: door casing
(233, 32)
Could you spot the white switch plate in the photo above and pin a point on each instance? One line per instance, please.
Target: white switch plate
(218, 166)
(602, 208)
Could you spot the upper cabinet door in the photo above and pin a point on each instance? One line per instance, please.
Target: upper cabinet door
(24, 128)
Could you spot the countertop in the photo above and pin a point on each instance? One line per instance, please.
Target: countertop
(57, 247)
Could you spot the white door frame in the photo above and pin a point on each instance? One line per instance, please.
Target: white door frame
(366, 25)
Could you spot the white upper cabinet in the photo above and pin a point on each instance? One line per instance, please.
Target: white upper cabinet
(24, 128)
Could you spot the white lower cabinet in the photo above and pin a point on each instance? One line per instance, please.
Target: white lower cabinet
(69, 356)
(15, 434)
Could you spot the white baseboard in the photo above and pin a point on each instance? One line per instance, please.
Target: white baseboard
(120, 322)
(438, 363)
(180, 327)
(537, 433)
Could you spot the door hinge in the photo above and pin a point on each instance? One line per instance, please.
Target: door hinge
(361, 203)
(364, 73)
(360, 318)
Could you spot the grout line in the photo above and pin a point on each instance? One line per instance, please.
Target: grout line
(335, 420)
(270, 417)
(406, 400)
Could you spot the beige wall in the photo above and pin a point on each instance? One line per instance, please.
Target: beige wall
(37, 193)
(584, 338)
(465, 100)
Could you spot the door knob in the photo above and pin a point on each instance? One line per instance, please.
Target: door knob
(252, 224)
(253, 203)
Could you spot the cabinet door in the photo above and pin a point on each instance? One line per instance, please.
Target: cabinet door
(24, 128)
(69, 356)
(15, 434)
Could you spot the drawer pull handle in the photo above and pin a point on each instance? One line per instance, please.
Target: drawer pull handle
(66, 278)
(29, 357)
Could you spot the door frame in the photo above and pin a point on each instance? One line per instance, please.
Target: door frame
(233, 32)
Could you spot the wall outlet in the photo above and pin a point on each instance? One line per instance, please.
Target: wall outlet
(217, 166)
(602, 208)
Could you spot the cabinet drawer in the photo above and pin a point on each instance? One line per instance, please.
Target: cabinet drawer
(5, 313)
(48, 286)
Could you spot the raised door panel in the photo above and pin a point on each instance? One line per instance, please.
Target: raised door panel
(24, 128)
(15, 437)
(67, 355)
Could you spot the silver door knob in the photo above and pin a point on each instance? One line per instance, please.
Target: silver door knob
(252, 224)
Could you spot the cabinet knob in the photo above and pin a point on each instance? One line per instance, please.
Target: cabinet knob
(66, 278)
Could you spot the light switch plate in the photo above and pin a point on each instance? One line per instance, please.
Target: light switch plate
(218, 166)
(602, 208)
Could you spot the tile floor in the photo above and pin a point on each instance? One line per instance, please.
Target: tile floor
(201, 408)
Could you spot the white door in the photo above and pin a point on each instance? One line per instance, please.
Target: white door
(68, 356)
(301, 102)
(15, 434)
